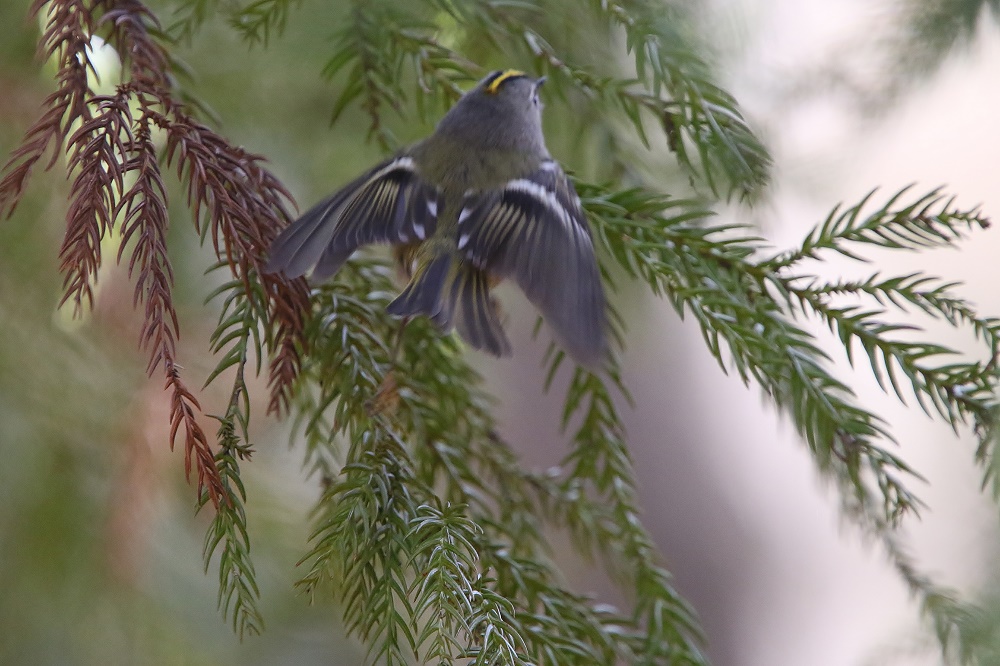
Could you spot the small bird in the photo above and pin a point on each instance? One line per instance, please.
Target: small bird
(478, 201)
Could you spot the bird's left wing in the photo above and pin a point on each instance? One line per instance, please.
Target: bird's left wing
(388, 204)
(534, 231)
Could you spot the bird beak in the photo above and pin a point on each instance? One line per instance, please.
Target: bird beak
(539, 81)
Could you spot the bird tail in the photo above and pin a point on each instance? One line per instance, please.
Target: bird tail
(478, 321)
(435, 290)
(425, 293)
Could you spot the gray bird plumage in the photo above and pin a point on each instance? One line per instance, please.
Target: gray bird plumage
(481, 200)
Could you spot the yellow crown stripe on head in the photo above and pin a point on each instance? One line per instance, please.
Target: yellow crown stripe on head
(503, 76)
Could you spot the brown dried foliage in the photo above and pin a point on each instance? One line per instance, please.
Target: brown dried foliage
(244, 204)
(97, 152)
(65, 38)
(227, 188)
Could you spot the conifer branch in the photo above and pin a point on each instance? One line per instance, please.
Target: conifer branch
(359, 545)
(189, 16)
(66, 38)
(929, 221)
(97, 155)
(366, 42)
(701, 115)
(955, 390)
(600, 463)
(258, 20)
(118, 186)
(143, 212)
(453, 445)
(746, 308)
(238, 592)
(380, 45)
(930, 295)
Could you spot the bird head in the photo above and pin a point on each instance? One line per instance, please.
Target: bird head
(502, 110)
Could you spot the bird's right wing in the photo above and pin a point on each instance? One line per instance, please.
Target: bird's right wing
(389, 204)
(533, 230)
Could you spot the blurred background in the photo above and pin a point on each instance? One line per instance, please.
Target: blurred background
(100, 547)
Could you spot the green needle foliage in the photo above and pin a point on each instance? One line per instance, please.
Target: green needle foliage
(429, 532)
(235, 336)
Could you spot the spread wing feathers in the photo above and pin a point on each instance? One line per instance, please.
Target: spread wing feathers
(534, 231)
(389, 204)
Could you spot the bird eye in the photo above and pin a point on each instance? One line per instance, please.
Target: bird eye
(534, 91)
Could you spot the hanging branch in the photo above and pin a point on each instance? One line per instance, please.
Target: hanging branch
(748, 307)
(66, 39)
(244, 204)
(117, 187)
